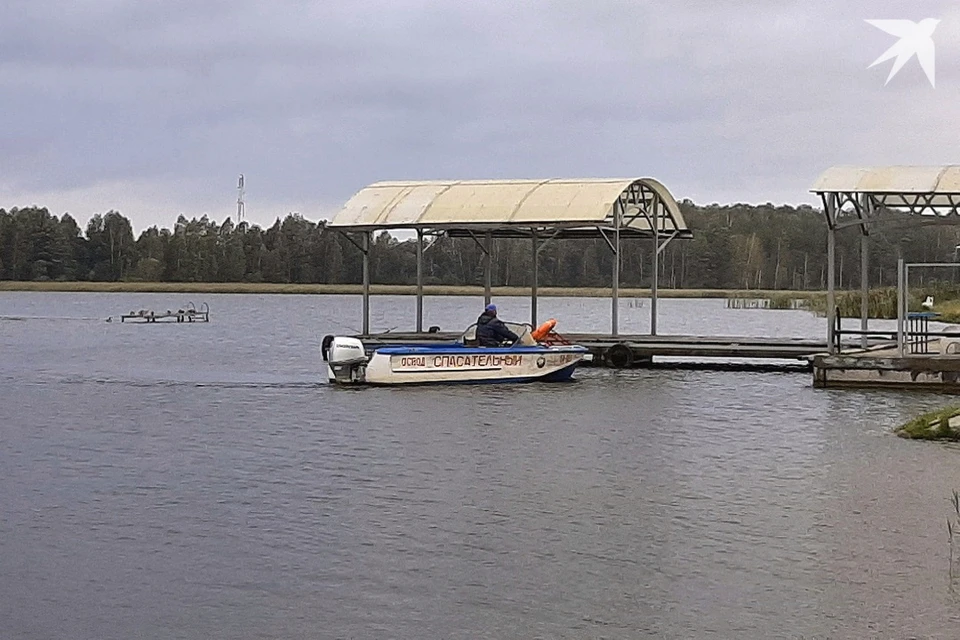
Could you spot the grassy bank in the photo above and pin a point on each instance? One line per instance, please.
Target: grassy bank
(882, 302)
(378, 289)
(942, 424)
(949, 311)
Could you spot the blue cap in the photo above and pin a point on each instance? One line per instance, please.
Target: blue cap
(491, 307)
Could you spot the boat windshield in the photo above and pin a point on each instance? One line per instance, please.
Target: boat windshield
(469, 337)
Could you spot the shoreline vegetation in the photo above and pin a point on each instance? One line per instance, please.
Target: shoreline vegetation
(740, 247)
(394, 289)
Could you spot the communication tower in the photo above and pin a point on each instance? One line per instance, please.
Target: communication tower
(240, 206)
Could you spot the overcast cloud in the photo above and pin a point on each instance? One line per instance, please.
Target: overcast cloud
(154, 108)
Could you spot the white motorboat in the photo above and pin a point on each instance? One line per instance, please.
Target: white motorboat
(539, 355)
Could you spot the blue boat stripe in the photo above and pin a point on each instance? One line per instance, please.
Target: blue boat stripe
(560, 375)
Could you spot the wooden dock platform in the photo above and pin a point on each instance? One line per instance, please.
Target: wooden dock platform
(190, 314)
(885, 367)
(927, 360)
(630, 351)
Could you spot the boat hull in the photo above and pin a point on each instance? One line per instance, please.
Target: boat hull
(420, 365)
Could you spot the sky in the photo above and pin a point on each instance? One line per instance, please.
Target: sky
(155, 107)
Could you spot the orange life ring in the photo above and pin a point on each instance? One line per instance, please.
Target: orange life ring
(541, 332)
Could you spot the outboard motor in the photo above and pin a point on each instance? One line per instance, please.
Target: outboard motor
(325, 347)
(347, 360)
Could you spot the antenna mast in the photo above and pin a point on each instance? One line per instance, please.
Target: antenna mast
(240, 206)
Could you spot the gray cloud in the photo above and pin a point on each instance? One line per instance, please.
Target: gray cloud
(155, 107)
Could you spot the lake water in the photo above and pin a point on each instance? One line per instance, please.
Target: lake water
(203, 481)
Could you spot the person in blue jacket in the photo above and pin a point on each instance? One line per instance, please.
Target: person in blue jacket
(491, 331)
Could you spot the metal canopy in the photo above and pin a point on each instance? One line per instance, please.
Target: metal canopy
(932, 192)
(916, 190)
(538, 210)
(511, 208)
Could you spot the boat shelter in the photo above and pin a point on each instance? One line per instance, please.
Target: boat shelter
(854, 197)
(538, 210)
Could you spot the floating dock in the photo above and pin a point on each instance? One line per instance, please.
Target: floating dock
(635, 351)
(916, 358)
(190, 314)
(930, 364)
(934, 366)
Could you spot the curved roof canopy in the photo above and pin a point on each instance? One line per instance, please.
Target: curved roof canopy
(513, 208)
(924, 190)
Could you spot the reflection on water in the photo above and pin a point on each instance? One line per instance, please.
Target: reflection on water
(203, 481)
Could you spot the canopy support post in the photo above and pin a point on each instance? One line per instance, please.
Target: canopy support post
(864, 289)
(901, 303)
(615, 298)
(366, 283)
(655, 204)
(864, 211)
(419, 280)
(487, 270)
(533, 288)
(831, 211)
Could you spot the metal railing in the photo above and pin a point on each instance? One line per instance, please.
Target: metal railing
(916, 333)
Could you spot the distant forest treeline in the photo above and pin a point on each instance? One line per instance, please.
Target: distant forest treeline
(735, 247)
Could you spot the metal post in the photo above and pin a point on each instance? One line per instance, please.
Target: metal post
(487, 269)
(907, 337)
(366, 283)
(831, 270)
(864, 289)
(533, 288)
(615, 329)
(656, 268)
(906, 293)
(419, 280)
(900, 304)
(866, 207)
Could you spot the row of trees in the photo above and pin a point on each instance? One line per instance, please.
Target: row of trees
(735, 247)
